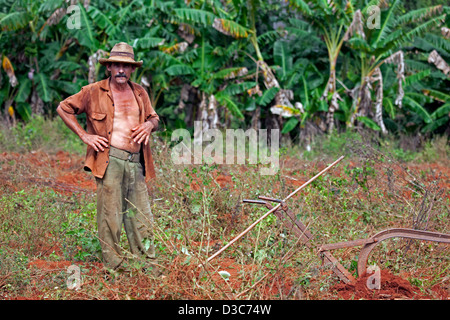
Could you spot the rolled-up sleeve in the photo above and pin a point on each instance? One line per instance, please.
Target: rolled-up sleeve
(76, 104)
(150, 113)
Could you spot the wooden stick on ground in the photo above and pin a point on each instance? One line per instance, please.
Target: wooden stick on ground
(273, 209)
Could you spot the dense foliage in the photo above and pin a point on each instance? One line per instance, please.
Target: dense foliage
(305, 67)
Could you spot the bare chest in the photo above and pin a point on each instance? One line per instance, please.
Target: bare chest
(126, 107)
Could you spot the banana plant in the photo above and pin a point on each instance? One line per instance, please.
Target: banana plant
(373, 48)
(333, 20)
(208, 63)
(238, 21)
(35, 61)
(119, 24)
(434, 52)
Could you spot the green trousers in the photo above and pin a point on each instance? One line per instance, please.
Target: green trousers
(122, 200)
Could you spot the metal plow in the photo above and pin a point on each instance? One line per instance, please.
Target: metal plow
(289, 220)
(287, 217)
(305, 236)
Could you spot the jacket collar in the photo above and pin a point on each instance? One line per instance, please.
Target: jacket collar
(104, 85)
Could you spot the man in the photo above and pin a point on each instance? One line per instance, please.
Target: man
(120, 120)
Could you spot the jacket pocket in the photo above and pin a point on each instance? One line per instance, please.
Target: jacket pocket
(98, 116)
(98, 121)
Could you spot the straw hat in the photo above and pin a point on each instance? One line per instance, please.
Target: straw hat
(121, 52)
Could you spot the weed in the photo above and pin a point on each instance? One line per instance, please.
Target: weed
(40, 133)
(198, 209)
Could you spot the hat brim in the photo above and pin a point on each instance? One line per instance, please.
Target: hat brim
(104, 61)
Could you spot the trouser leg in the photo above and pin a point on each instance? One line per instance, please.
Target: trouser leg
(138, 219)
(110, 213)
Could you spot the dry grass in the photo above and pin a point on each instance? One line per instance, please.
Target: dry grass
(199, 208)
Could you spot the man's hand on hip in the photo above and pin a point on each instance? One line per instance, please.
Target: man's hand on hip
(141, 133)
(95, 141)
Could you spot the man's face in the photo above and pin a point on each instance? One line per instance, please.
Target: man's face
(120, 72)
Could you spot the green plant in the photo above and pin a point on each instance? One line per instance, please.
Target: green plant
(82, 241)
(40, 133)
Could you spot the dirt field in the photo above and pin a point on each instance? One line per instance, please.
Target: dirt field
(63, 173)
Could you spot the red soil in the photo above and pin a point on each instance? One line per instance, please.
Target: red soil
(392, 288)
(64, 173)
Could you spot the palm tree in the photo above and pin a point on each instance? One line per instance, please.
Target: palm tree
(333, 20)
(373, 48)
(38, 81)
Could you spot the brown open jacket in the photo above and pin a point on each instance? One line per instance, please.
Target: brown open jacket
(96, 101)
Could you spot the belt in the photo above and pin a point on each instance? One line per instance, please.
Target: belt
(124, 155)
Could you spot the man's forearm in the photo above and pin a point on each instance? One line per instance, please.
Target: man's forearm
(71, 122)
(155, 123)
(97, 142)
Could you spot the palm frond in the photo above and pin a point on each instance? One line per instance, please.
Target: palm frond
(230, 28)
(421, 29)
(43, 87)
(228, 102)
(304, 34)
(390, 40)
(49, 6)
(148, 42)
(267, 96)
(290, 125)
(101, 19)
(230, 73)
(238, 88)
(437, 42)
(202, 17)
(435, 125)
(62, 65)
(302, 6)
(299, 24)
(163, 59)
(180, 69)
(369, 123)
(418, 109)
(413, 66)
(268, 37)
(359, 44)
(14, 20)
(389, 107)
(437, 95)
(121, 17)
(420, 14)
(388, 22)
(282, 57)
(442, 111)
(411, 79)
(24, 90)
(85, 34)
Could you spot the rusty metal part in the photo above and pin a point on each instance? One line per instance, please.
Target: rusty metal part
(338, 268)
(327, 257)
(293, 225)
(346, 244)
(254, 201)
(370, 243)
(299, 229)
(397, 233)
(270, 199)
(305, 236)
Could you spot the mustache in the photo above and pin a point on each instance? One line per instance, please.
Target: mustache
(119, 75)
